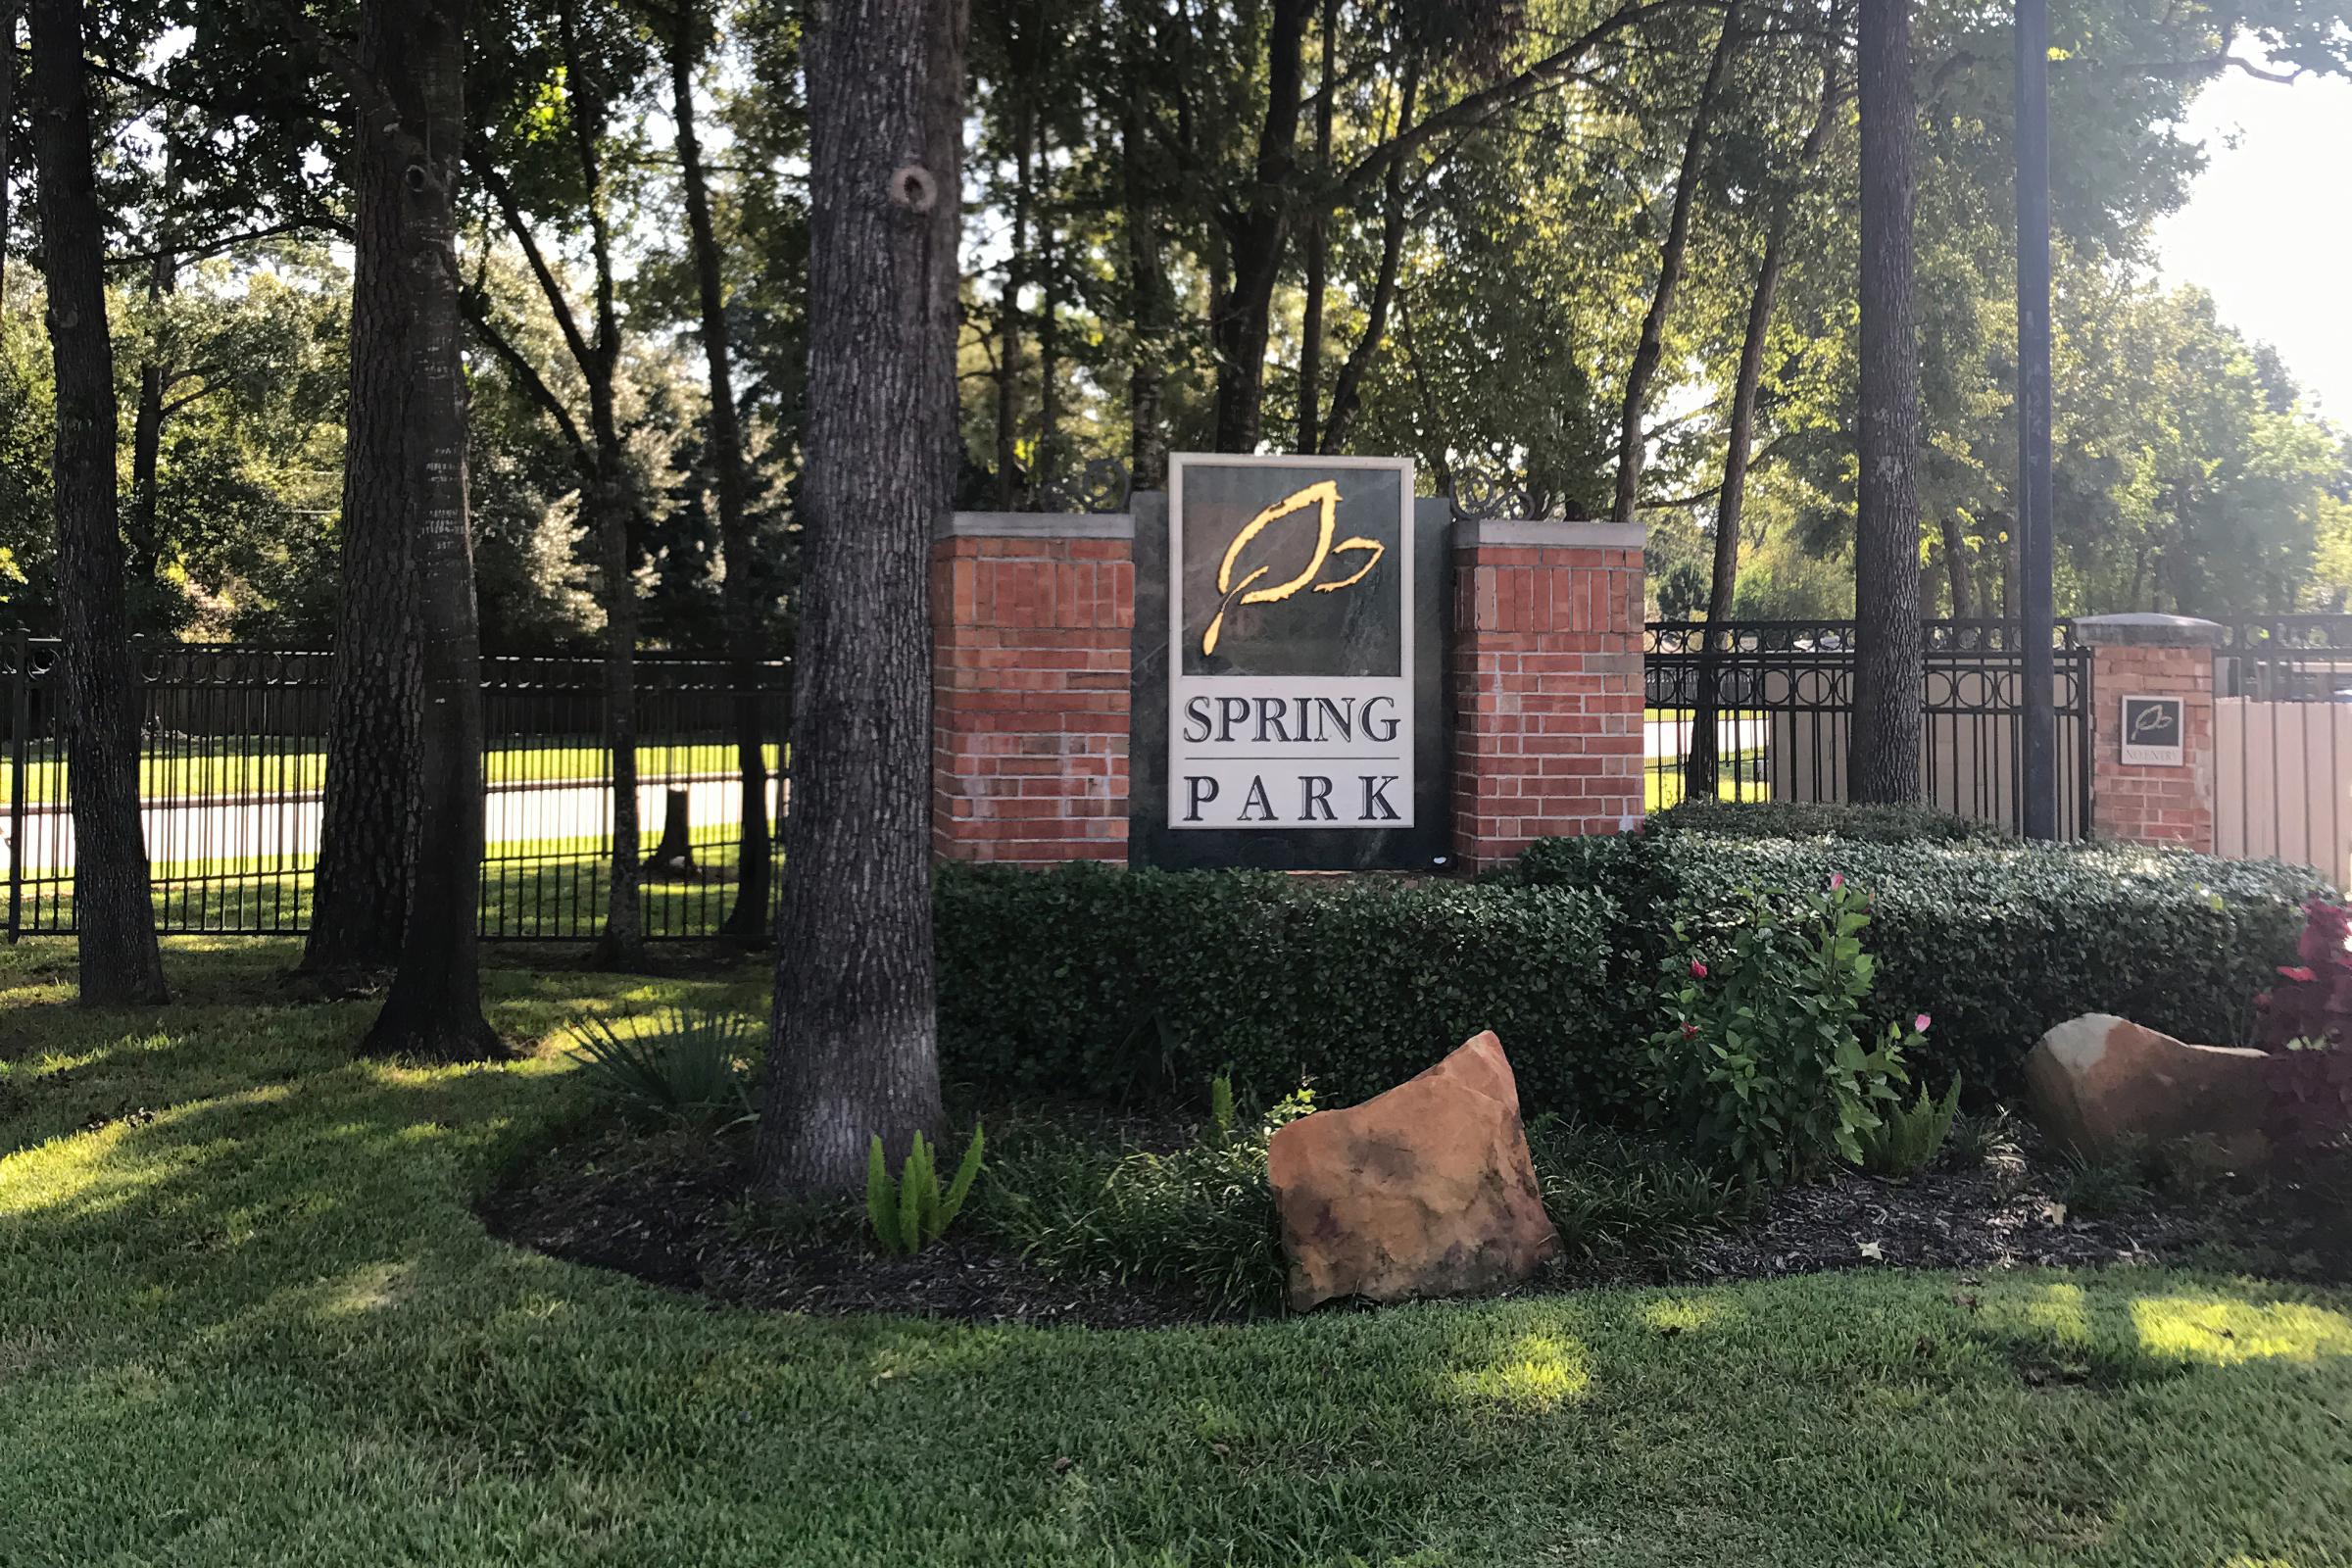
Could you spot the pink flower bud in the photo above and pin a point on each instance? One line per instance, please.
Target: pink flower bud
(1690, 1030)
(1698, 970)
(2296, 971)
(1837, 880)
(1920, 1023)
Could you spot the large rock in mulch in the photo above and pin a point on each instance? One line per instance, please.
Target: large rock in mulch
(1425, 1190)
(2098, 1081)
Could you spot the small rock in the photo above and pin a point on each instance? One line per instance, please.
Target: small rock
(2098, 1081)
(1425, 1190)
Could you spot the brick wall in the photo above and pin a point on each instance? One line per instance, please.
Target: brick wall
(1033, 621)
(2151, 656)
(1547, 672)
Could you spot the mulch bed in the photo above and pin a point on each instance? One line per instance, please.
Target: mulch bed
(674, 1212)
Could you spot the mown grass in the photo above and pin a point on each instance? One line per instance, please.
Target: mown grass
(284, 768)
(247, 1317)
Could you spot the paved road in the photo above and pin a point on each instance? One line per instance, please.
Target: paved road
(277, 832)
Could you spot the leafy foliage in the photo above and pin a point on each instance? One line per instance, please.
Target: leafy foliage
(2305, 1022)
(1810, 819)
(1908, 1138)
(1615, 1197)
(1762, 1059)
(692, 1065)
(911, 1212)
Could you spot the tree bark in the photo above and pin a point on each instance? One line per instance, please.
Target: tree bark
(1632, 448)
(1956, 574)
(1254, 235)
(1347, 395)
(1318, 241)
(1009, 310)
(1702, 763)
(8, 119)
(1046, 465)
(1883, 748)
(360, 896)
(739, 599)
(146, 454)
(855, 1046)
(415, 53)
(113, 903)
(1149, 303)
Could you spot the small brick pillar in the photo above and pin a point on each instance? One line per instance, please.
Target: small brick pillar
(1033, 627)
(2151, 656)
(1546, 673)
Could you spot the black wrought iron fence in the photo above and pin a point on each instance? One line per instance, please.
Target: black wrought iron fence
(232, 761)
(1777, 700)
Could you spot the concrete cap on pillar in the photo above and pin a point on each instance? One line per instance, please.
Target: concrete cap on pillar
(2142, 631)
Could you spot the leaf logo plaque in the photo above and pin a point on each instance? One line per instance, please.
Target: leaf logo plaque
(1324, 498)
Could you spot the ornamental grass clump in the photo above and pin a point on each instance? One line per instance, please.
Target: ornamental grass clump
(1763, 1061)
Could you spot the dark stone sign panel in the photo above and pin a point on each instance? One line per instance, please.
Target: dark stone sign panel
(1289, 700)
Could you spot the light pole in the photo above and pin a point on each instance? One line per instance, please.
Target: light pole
(2037, 738)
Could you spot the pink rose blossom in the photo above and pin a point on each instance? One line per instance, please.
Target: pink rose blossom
(1698, 970)
(1920, 1023)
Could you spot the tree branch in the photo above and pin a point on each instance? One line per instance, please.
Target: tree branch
(477, 312)
(495, 182)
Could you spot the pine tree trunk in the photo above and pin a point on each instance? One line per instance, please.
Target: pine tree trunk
(1632, 449)
(1243, 320)
(1346, 396)
(416, 51)
(1956, 575)
(854, 1050)
(114, 904)
(739, 598)
(1009, 310)
(621, 943)
(1882, 752)
(8, 118)
(139, 529)
(1318, 246)
(1046, 465)
(1146, 281)
(1702, 763)
(360, 896)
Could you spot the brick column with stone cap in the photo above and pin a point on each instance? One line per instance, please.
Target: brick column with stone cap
(1033, 626)
(1547, 672)
(2163, 657)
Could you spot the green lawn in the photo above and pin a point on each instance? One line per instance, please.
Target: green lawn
(247, 1317)
(212, 768)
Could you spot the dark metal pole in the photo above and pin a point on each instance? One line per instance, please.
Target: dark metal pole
(2038, 738)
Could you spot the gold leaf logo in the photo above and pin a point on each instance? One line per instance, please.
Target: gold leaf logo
(1324, 498)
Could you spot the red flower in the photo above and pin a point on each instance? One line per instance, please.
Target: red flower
(1689, 1031)
(2296, 971)
(1698, 970)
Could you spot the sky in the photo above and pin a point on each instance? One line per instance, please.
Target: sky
(2268, 229)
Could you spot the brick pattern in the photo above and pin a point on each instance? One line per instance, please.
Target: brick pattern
(1032, 647)
(2169, 806)
(1546, 671)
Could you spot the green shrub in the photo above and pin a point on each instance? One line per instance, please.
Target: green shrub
(1998, 941)
(1804, 819)
(1199, 1219)
(1142, 983)
(691, 1065)
(1908, 1138)
(1762, 1060)
(1616, 1197)
(912, 1213)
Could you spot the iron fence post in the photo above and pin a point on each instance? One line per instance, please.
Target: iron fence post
(18, 721)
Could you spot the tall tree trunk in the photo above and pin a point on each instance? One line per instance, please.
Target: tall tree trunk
(1319, 242)
(1956, 574)
(1255, 238)
(114, 904)
(8, 119)
(1347, 395)
(1149, 303)
(855, 1036)
(1701, 761)
(1631, 449)
(739, 599)
(1882, 750)
(1008, 312)
(360, 894)
(415, 50)
(1048, 462)
(146, 456)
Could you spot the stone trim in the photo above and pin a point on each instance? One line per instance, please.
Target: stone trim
(1035, 526)
(1547, 533)
(2143, 630)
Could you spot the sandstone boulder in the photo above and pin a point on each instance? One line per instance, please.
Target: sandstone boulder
(2097, 1081)
(1424, 1190)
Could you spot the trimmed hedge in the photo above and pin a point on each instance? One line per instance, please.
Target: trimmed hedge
(1145, 984)
(1141, 985)
(1997, 941)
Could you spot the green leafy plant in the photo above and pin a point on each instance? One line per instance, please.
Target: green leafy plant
(1615, 1197)
(1762, 1060)
(1908, 1139)
(1988, 1142)
(1220, 1106)
(911, 1212)
(692, 1065)
(2098, 1188)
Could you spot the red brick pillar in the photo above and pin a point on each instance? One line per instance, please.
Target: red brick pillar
(1033, 626)
(2135, 795)
(1547, 672)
